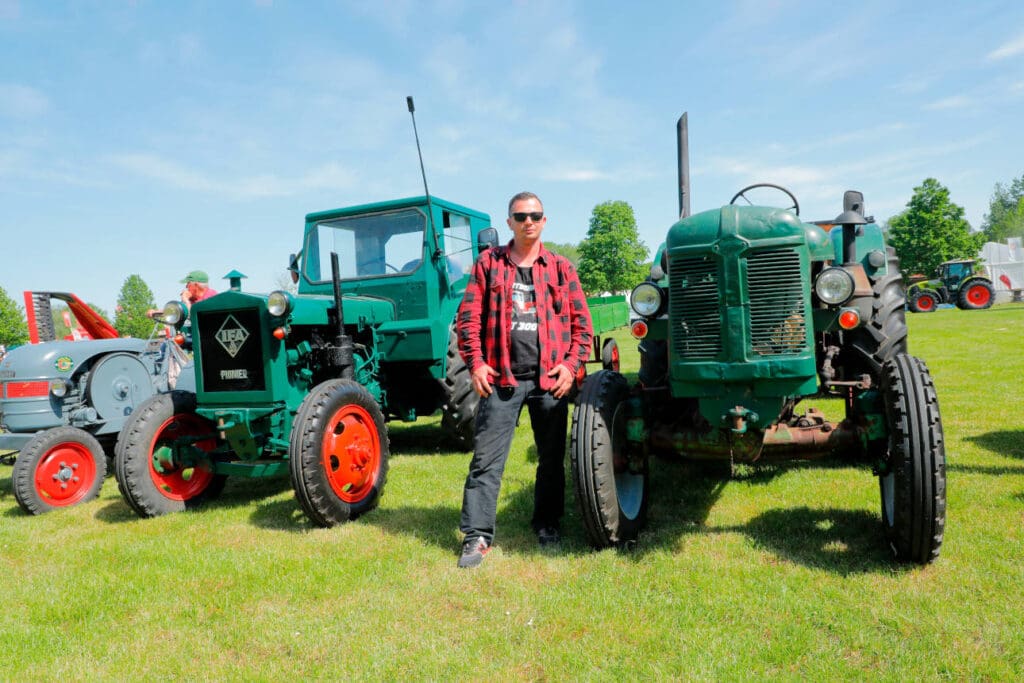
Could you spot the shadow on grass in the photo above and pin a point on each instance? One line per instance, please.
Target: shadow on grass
(421, 439)
(1007, 442)
(682, 495)
(238, 492)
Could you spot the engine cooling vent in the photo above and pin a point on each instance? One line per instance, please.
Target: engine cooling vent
(695, 310)
(778, 324)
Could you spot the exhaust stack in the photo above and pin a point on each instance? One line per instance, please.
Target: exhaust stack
(683, 140)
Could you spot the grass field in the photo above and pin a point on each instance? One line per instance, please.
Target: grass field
(779, 572)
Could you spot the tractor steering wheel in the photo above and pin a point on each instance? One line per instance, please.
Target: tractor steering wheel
(742, 193)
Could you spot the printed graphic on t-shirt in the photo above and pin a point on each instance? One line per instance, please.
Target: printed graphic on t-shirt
(524, 351)
(524, 308)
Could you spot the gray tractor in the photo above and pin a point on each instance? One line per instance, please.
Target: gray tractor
(64, 401)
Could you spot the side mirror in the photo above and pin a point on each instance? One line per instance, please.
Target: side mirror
(486, 238)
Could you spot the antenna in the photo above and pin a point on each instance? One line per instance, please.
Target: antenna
(430, 209)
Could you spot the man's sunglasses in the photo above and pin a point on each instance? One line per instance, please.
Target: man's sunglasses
(535, 216)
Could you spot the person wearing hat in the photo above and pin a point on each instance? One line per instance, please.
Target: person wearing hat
(197, 287)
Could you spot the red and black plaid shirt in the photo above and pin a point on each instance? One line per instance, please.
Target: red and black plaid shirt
(484, 321)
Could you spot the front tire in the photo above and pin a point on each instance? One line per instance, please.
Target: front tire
(913, 482)
(338, 453)
(611, 491)
(976, 295)
(58, 468)
(162, 461)
(923, 301)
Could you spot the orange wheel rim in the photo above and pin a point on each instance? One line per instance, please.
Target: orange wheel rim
(351, 453)
(175, 479)
(65, 474)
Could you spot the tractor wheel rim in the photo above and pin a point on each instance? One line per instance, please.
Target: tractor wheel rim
(65, 474)
(615, 358)
(926, 303)
(629, 486)
(179, 481)
(978, 295)
(351, 453)
(888, 488)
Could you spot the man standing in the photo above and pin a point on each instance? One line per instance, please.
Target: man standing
(523, 330)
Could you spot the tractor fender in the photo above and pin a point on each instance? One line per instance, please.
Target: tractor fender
(26, 405)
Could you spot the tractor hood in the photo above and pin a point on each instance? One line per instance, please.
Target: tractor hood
(308, 309)
(733, 229)
(60, 358)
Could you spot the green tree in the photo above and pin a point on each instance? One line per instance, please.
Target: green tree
(569, 251)
(1005, 217)
(612, 257)
(132, 304)
(931, 230)
(13, 328)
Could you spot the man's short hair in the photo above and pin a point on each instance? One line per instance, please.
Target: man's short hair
(522, 196)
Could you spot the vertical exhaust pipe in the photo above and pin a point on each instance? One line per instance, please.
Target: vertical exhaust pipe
(683, 142)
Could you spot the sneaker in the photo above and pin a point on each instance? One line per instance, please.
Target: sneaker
(548, 536)
(473, 551)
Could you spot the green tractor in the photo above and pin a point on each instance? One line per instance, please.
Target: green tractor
(301, 384)
(747, 311)
(962, 282)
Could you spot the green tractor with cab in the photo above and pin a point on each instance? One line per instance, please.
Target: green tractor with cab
(747, 311)
(962, 282)
(301, 384)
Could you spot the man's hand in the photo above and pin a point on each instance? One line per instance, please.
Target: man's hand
(482, 379)
(563, 380)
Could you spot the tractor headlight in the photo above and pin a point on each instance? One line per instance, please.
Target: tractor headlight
(59, 387)
(646, 299)
(834, 286)
(279, 303)
(174, 313)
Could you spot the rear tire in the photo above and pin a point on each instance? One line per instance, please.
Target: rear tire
(885, 334)
(923, 301)
(458, 416)
(975, 295)
(338, 453)
(58, 468)
(157, 476)
(611, 497)
(913, 487)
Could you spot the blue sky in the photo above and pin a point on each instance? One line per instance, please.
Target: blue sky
(156, 137)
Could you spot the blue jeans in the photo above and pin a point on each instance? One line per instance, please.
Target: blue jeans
(496, 419)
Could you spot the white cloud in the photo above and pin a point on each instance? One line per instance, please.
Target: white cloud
(21, 101)
(953, 102)
(574, 175)
(326, 176)
(1009, 49)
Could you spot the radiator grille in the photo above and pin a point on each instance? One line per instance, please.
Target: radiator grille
(231, 343)
(778, 324)
(695, 308)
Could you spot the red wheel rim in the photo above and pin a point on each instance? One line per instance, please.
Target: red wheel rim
(180, 480)
(926, 303)
(581, 375)
(351, 453)
(615, 357)
(978, 295)
(65, 474)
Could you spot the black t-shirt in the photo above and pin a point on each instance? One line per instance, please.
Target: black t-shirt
(525, 351)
